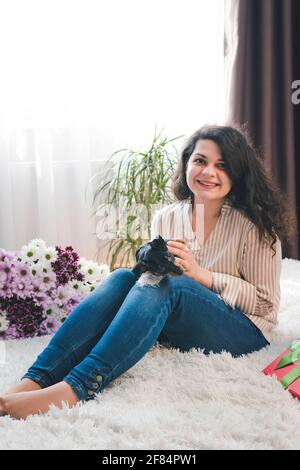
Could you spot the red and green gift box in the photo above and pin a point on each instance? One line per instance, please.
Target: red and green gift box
(286, 368)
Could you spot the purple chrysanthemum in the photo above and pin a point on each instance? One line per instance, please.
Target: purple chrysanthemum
(66, 266)
(36, 295)
(23, 315)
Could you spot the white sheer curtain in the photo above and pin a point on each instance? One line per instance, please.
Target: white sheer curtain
(81, 79)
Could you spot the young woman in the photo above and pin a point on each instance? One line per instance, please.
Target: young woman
(227, 298)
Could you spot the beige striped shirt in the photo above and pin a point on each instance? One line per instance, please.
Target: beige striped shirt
(245, 274)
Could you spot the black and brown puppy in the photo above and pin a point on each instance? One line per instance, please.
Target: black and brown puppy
(155, 257)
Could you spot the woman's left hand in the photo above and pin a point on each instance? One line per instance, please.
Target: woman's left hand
(184, 258)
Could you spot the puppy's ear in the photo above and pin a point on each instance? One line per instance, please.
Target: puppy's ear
(158, 242)
(139, 252)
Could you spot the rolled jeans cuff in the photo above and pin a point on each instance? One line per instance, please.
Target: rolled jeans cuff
(79, 389)
(40, 380)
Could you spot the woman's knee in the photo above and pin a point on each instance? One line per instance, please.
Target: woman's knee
(123, 273)
(183, 281)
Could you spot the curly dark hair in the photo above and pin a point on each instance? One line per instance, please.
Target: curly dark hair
(253, 191)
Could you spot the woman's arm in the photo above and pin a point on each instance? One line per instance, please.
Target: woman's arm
(205, 277)
(257, 288)
(255, 291)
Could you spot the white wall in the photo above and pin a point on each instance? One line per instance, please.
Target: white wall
(82, 78)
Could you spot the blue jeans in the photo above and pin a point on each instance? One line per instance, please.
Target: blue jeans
(116, 324)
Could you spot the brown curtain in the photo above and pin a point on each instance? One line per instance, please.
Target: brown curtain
(262, 56)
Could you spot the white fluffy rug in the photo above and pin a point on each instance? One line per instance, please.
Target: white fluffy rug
(172, 400)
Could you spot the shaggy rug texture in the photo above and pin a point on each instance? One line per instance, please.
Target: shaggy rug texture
(172, 400)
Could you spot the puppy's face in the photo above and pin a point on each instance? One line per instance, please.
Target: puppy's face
(155, 257)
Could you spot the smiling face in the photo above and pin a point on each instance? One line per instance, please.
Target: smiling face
(206, 174)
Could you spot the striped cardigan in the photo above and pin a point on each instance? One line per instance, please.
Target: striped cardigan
(246, 273)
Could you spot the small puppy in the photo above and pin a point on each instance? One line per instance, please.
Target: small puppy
(154, 257)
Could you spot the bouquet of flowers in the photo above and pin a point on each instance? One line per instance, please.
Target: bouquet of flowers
(40, 286)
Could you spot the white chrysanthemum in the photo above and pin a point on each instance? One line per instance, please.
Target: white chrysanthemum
(89, 287)
(93, 271)
(82, 263)
(55, 312)
(78, 287)
(48, 255)
(29, 254)
(42, 269)
(38, 243)
(4, 323)
(104, 268)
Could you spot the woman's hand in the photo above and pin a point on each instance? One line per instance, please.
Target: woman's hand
(184, 258)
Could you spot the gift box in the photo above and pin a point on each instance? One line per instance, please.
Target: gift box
(286, 368)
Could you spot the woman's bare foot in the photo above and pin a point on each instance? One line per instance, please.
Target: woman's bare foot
(25, 385)
(23, 404)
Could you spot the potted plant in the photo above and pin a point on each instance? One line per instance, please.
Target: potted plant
(136, 183)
